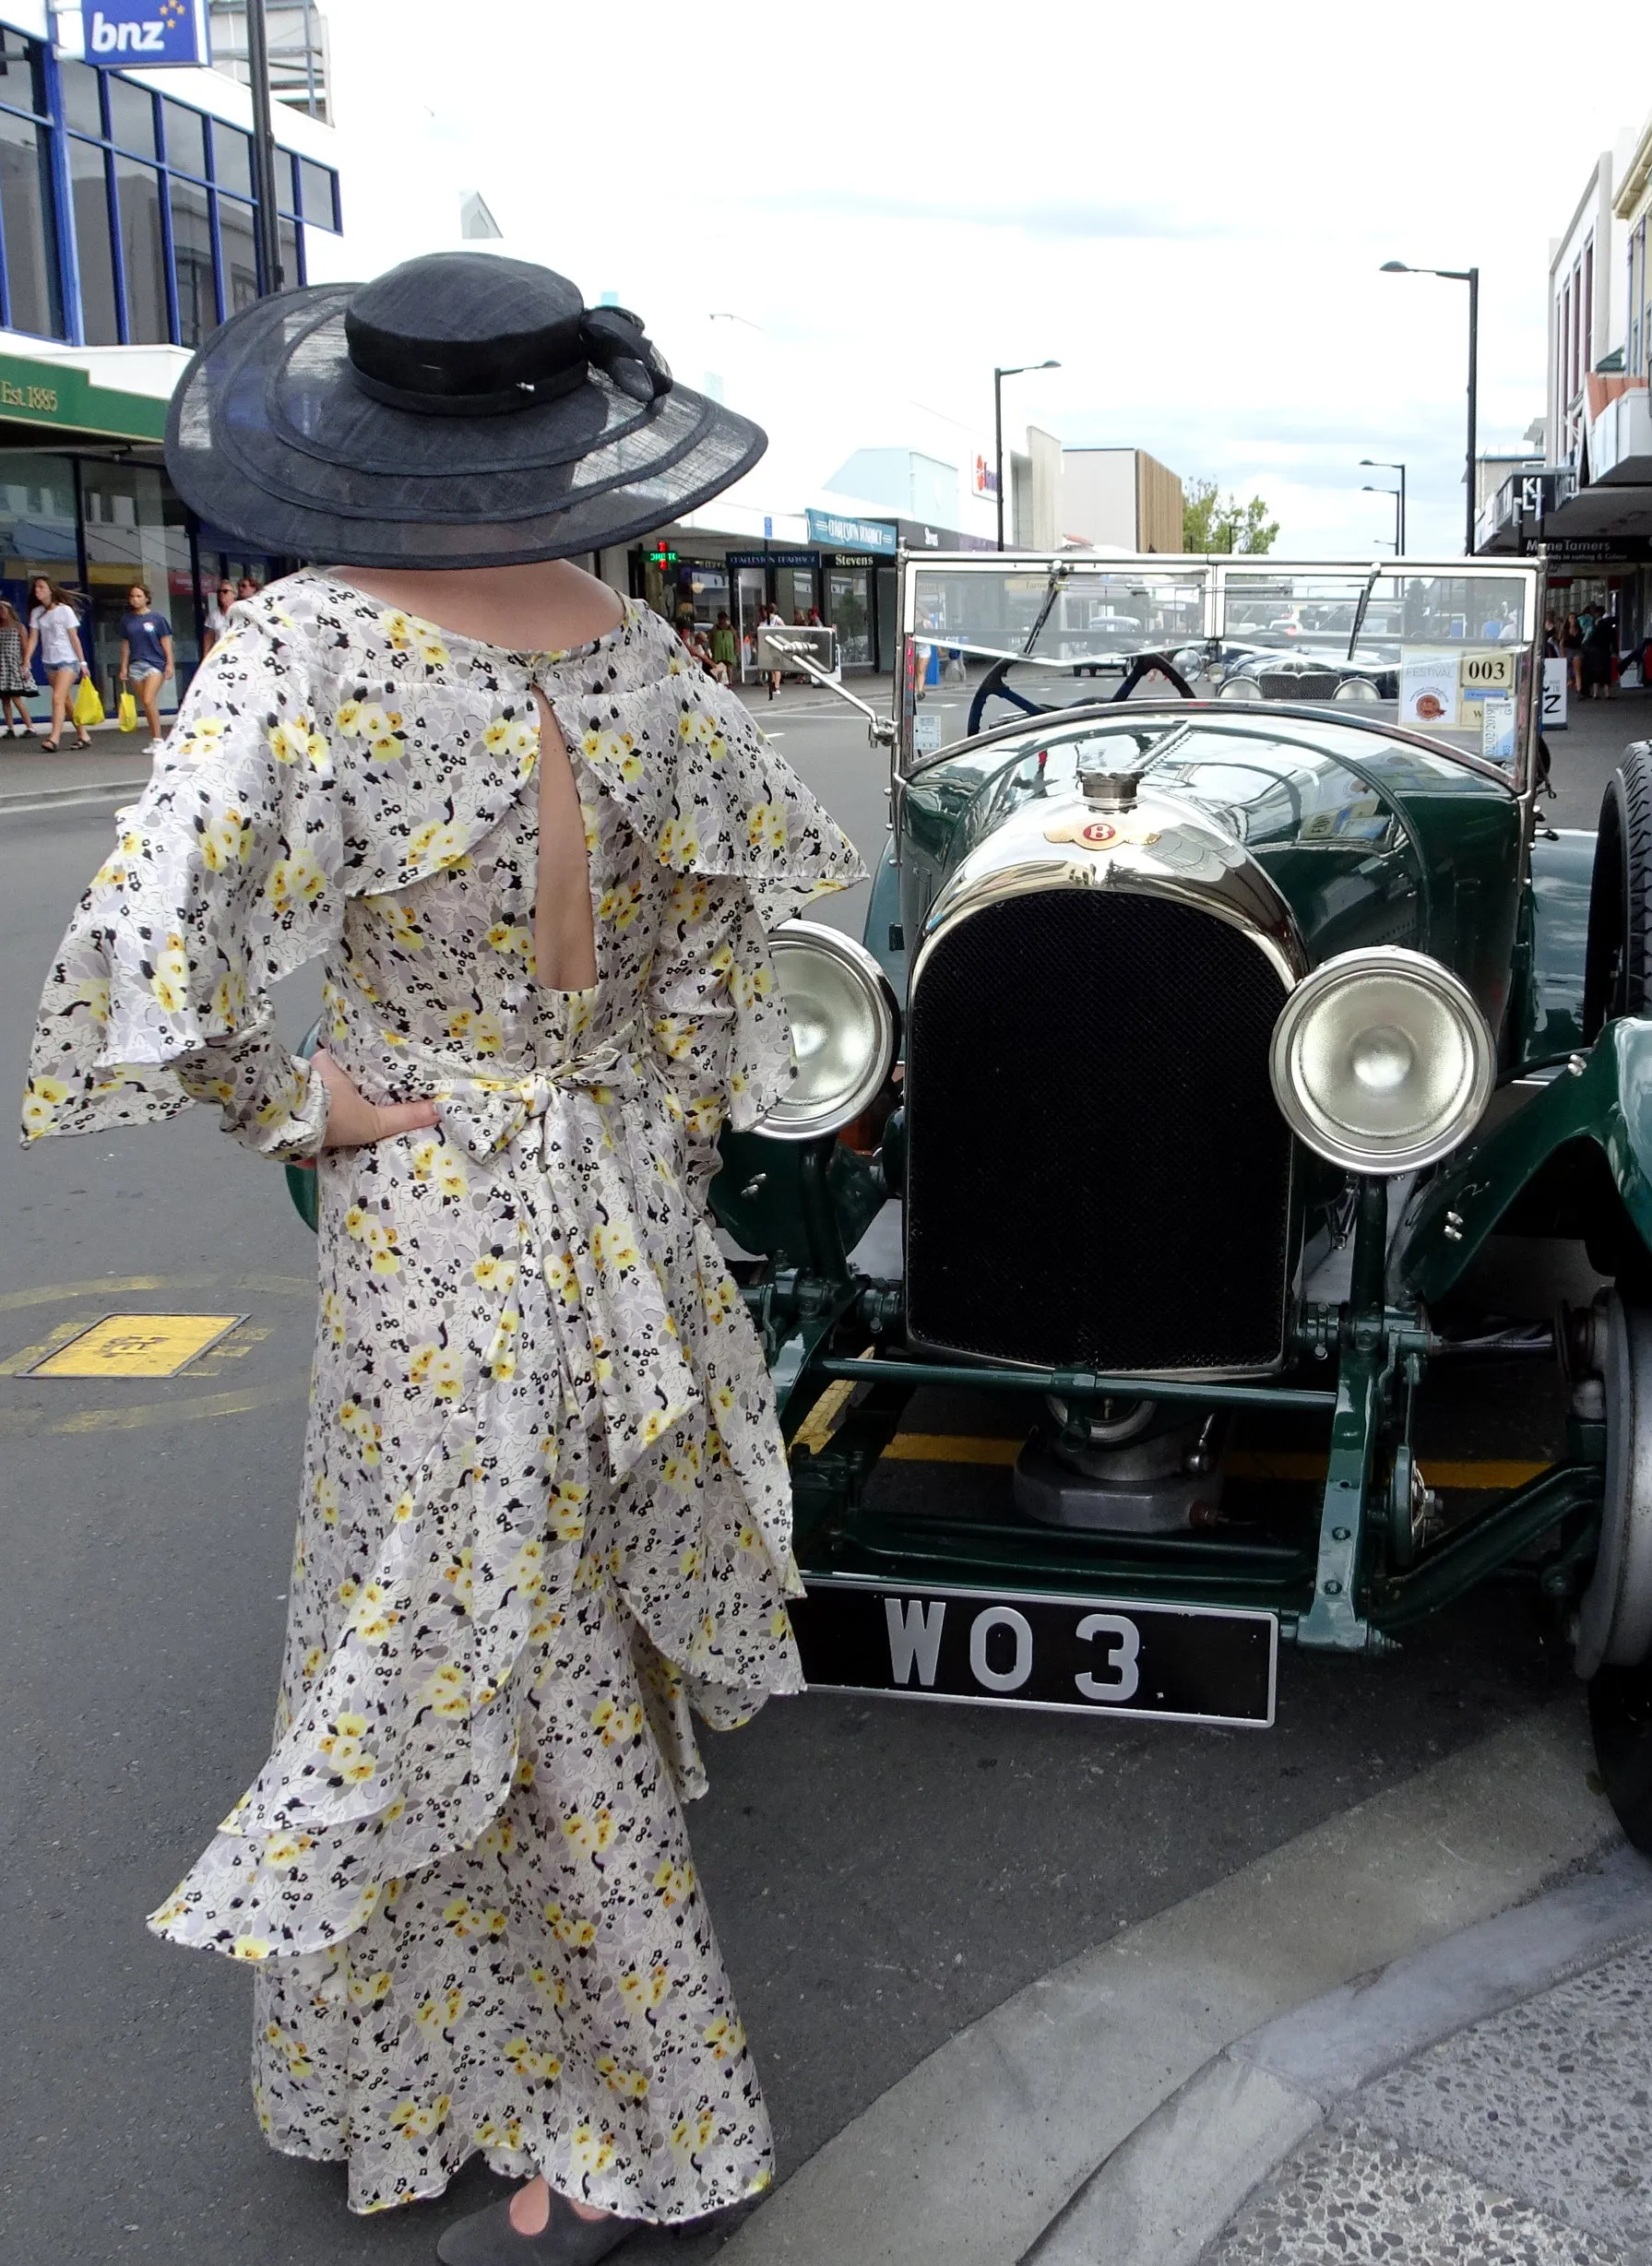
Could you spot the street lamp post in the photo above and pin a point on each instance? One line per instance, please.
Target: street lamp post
(1381, 464)
(267, 219)
(1371, 489)
(1470, 275)
(998, 377)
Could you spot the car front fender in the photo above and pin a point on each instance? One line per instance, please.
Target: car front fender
(1604, 1098)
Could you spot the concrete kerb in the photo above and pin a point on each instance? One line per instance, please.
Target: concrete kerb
(25, 799)
(1046, 2114)
(1181, 2176)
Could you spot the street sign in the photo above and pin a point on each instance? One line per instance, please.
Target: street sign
(116, 34)
(1555, 694)
(836, 530)
(1589, 550)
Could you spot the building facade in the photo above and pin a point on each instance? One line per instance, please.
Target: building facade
(1120, 499)
(127, 232)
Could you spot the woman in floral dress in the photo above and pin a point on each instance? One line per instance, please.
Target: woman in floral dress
(545, 1511)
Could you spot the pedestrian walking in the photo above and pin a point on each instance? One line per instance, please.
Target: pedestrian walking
(146, 657)
(1600, 646)
(246, 588)
(1571, 648)
(55, 633)
(725, 649)
(218, 615)
(17, 685)
(545, 1511)
(771, 615)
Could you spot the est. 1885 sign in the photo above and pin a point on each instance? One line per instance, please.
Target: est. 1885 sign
(119, 33)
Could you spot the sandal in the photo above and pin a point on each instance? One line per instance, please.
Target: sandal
(48, 747)
(82, 745)
(488, 2238)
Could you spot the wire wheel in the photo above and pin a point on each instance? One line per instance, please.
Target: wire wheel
(1618, 963)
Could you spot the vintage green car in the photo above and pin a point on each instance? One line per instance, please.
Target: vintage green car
(1207, 1042)
(1204, 1036)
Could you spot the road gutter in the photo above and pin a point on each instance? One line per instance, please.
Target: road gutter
(972, 2156)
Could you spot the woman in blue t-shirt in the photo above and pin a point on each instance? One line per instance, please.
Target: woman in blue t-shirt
(145, 655)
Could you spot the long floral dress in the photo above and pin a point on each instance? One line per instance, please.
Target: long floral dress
(545, 1506)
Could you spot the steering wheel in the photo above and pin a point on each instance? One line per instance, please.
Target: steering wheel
(993, 682)
(993, 686)
(1144, 665)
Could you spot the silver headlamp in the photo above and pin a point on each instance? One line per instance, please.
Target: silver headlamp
(1381, 1061)
(845, 1028)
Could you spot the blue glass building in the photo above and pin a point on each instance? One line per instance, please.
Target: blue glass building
(127, 223)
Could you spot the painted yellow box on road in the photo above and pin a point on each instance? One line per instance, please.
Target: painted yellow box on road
(136, 1345)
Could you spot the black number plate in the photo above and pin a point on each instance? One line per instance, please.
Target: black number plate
(1083, 1656)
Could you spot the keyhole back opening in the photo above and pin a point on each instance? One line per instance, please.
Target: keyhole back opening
(565, 924)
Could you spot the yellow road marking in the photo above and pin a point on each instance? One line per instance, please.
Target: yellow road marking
(104, 1286)
(128, 1285)
(822, 1419)
(1243, 1463)
(138, 1418)
(949, 1448)
(15, 1363)
(137, 1345)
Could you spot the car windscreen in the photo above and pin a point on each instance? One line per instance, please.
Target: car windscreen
(1445, 652)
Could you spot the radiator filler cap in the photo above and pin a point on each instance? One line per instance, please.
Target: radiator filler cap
(1112, 790)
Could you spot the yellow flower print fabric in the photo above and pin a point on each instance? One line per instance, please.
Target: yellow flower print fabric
(545, 1512)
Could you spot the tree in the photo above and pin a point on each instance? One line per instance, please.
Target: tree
(1209, 523)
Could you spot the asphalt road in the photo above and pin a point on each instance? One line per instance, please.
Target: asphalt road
(881, 1874)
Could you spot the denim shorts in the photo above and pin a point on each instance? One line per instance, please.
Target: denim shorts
(140, 670)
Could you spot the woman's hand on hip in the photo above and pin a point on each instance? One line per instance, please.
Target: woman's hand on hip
(352, 1121)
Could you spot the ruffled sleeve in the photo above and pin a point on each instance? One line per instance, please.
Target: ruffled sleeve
(748, 846)
(225, 878)
(714, 1014)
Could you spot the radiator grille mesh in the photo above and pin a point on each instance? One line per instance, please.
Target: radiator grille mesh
(1098, 1176)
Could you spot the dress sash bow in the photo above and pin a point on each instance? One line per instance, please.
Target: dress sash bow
(585, 1136)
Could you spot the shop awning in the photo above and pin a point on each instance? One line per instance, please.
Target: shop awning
(46, 401)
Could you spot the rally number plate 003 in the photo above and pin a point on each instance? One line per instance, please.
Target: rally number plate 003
(1080, 1655)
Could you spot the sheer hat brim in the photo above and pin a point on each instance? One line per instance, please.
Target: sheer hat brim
(270, 439)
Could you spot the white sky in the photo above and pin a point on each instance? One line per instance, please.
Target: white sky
(1186, 205)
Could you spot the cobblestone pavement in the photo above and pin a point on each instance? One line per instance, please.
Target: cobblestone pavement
(1520, 2142)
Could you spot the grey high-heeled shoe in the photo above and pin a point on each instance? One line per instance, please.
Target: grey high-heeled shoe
(488, 2238)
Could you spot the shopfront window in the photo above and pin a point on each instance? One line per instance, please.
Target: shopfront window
(709, 588)
(849, 611)
(37, 522)
(794, 592)
(126, 541)
(750, 594)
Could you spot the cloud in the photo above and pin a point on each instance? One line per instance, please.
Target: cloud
(1050, 221)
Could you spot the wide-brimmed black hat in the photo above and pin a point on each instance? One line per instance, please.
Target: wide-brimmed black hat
(461, 411)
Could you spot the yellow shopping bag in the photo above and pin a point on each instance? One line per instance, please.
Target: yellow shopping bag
(89, 709)
(128, 712)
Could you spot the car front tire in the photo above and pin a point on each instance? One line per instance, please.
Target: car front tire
(1618, 959)
(1621, 1722)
